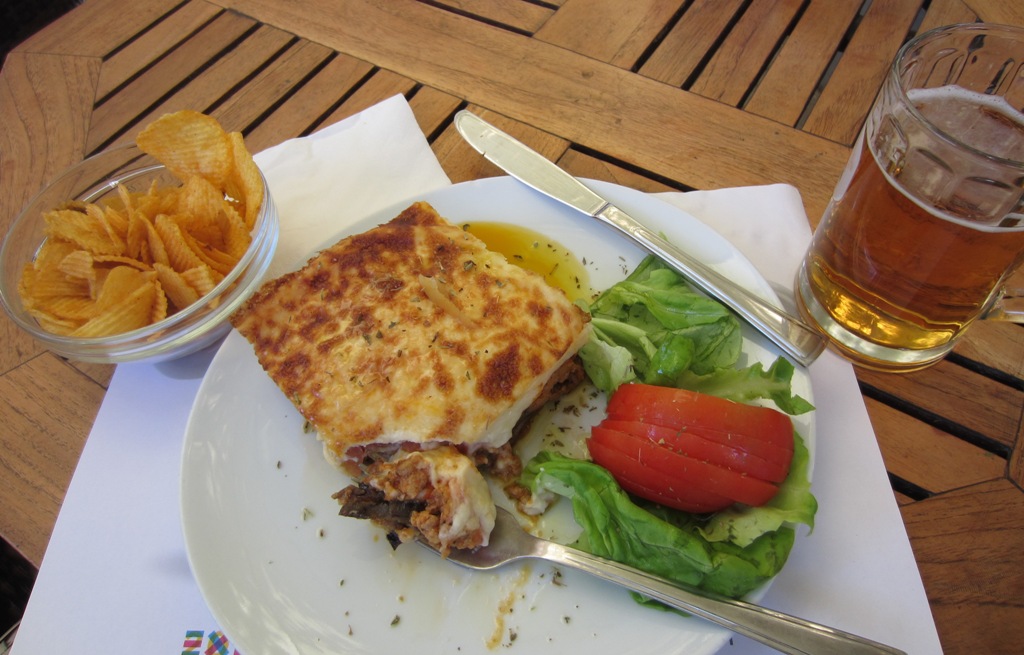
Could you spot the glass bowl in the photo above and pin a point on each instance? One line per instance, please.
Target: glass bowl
(193, 328)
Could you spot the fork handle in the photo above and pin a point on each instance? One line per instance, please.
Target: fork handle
(785, 633)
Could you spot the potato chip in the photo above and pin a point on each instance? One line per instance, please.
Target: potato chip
(109, 229)
(236, 235)
(51, 323)
(200, 205)
(180, 255)
(246, 179)
(83, 229)
(78, 264)
(189, 143)
(160, 304)
(43, 278)
(126, 313)
(179, 293)
(141, 256)
(72, 308)
(157, 249)
(201, 278)
(219, 261)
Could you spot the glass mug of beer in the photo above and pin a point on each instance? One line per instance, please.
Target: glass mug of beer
(927, 221)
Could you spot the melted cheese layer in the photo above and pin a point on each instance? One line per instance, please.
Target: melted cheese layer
(411, 332)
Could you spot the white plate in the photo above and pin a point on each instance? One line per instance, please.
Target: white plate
(283, 573)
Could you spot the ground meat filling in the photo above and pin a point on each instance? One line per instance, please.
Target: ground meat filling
(401, 494)
(408, 498)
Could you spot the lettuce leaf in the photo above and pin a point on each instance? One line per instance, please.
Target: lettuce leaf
(654, 328)
(743, 551)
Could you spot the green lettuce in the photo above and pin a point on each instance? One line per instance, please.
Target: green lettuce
(729, 553)
(654, 328)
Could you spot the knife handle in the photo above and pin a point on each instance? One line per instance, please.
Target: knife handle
(795, 337)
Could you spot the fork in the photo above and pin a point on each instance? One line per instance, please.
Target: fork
(785, 633)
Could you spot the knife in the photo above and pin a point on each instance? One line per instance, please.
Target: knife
(795, 337)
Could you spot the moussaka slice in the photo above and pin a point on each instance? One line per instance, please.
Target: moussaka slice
(413, 336)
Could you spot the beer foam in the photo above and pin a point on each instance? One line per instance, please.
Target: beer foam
(984, 122)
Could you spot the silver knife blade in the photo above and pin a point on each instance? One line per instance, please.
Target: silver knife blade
(795, 337)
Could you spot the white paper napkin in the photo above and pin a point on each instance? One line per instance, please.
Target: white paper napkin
(115, 577)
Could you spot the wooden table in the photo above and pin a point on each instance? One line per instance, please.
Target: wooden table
(653, 94)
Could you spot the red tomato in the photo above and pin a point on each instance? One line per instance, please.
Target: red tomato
(681, 477)
(639, 479)
(676, 408)
(692, 451)
(693, 443)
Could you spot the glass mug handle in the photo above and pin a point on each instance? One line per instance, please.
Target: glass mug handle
(1009, 306)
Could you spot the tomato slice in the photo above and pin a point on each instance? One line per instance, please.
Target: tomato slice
(747, 426)
(642, 481)
(694, 444)
(687, 472)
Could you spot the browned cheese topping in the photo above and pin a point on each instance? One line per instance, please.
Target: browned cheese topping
(411, 333)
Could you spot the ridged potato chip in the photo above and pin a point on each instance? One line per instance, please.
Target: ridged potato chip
(179, 293)
(189, 143)
(142, 256)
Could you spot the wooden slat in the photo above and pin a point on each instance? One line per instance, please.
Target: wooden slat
(583, 27)
(843, 105)
(745, 52)
(163, 37)
(684, 47)
(181, 63)
(79, 33)
(432, 108)
(946, 390)
(995, 344)
(998, 11)
(790, 81)
(314, 99)
(462, 163)
(40, 445)
(1016, 464)
(98, 373)
(207, 89)
(583, 165)
(968, 548)
(947, 12)
(521, 15)
(46, 102)
(928, 457)
(383, 84)
(671, 133)
(273, 84)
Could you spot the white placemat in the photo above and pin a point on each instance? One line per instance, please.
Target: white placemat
(115, 577)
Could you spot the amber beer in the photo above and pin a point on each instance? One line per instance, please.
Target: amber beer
(925, 225)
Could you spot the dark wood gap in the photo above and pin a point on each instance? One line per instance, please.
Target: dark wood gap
(446, 123)
(540, 3)
(632, 168)
(135, 37)
(774, 53)
(285, 96)
(991, 373)
(713, 50)
(159, 59)
(292, 42)
(908, 488)
(477, 18)
(953, 428)
(319, 121)
(833, 63)
(655, 43)
(192, 76)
